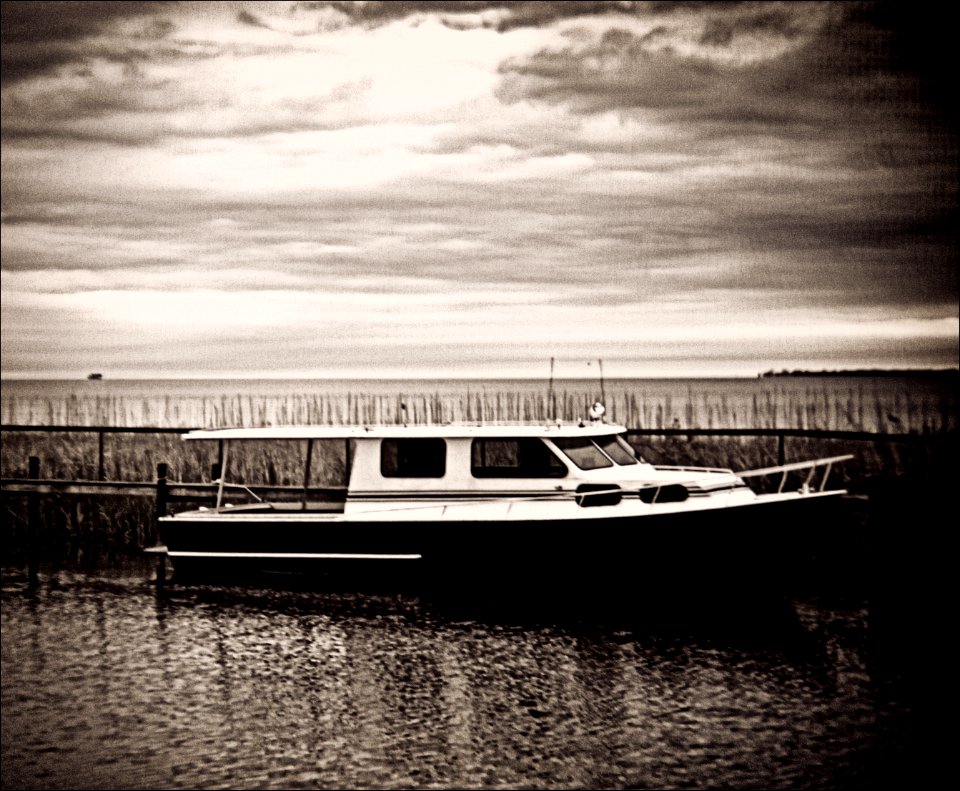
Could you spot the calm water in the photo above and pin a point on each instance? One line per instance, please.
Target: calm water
(109, 683)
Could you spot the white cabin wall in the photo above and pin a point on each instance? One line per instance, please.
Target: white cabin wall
(366, 476)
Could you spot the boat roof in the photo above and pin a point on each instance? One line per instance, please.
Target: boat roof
(444, 431)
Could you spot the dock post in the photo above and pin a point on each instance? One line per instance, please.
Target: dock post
(161, 511)
(161, 490)
(161, 570)
(216, 470)
(33, 525)
(781, 450)
(101, 471)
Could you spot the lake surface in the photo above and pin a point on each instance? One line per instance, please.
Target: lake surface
(109, 682)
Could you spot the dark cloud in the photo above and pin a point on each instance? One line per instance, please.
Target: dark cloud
(246, 18)
(462, 14)
(721, 31)
(893, 38)
(65, 20)
(860, 95)
(870, 55)
(619, 73)
(39, 36)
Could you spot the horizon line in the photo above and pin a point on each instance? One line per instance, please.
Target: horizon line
(769, 373)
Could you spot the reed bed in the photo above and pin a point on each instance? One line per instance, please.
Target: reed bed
(856, 407)
(75, 529)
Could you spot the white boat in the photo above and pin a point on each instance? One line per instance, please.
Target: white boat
(485, 496)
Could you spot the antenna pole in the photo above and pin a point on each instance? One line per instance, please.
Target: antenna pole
(603, 396)
(550, 395)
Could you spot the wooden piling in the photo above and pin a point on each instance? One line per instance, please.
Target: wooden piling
(101, 470)
(33, 525)
(162, 490)
(161, 553)
(161, 509)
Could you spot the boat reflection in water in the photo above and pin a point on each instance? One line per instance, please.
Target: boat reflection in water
(110, 683)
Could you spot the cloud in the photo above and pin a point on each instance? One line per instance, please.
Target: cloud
(202, 83)
(500, 16)
(685, 65)
(42, 37)
(814, 73)
(476, 176)
(246, 18)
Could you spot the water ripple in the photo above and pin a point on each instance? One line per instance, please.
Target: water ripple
(107, 683)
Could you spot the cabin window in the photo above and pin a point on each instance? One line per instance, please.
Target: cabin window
(285, 474)
(617, 449)
(524, 457)
(413, 458)
(583, 452)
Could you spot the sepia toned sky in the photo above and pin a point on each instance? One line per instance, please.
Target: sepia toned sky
(472, 188)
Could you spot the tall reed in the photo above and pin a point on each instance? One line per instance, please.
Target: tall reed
(825, 406)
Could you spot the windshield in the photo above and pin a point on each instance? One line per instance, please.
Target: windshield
(593, 454)
(583, 452)
(617, 449)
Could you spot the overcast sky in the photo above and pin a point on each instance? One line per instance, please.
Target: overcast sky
(424, 189)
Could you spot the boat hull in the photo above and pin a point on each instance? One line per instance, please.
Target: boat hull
(768, 538)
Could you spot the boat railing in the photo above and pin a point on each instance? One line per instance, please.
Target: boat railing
(226, 485)
(811, 467)
(686, 468)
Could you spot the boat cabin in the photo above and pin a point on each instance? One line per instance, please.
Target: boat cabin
(331, 468)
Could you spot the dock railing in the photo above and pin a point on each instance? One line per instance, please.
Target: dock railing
(102, 432)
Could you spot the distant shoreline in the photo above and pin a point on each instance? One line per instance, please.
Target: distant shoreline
(932, 372)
